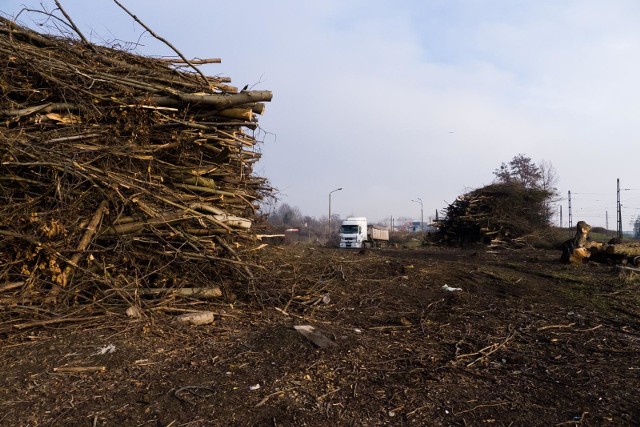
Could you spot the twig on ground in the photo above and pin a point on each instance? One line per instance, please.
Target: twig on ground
(486, 351)
(544, 328)
(79, 369)
(481, 406)
(54, 321)
(277, 393)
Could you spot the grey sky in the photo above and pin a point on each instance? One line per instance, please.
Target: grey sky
(398, 100)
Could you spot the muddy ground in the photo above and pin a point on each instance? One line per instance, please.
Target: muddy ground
(525, 341)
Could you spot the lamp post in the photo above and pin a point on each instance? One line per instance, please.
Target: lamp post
(331, 192)
(419, 200)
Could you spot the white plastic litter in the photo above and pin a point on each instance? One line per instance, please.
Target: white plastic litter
(448, 288)
(197, 318)
(108, 349)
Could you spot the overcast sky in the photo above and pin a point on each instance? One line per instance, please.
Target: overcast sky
(399, 100)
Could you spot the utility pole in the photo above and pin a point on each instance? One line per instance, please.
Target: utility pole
(619, 225)
(606, 218)
(570, 216)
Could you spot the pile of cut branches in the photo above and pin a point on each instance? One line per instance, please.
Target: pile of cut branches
(120, 172)
(498, 211)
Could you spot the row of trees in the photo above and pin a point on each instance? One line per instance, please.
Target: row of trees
(285, 217)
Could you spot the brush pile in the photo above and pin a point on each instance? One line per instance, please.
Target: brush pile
(505, 211)
(119, 172)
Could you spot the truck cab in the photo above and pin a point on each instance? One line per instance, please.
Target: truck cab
(353, 232)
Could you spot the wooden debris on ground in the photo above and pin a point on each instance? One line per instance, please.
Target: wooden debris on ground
(578, 249)
(79, 369)
(631, 249)
(581, 249)
(197, 318)
(497, 213)
(314, 335)
(120, 172)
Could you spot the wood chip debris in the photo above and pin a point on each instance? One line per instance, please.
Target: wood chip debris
(314, 335)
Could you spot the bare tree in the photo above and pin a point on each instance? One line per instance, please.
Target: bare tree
(549, 176)
(548, 182)
(286, 215)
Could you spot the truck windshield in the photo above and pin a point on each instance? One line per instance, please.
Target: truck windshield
(349, 229)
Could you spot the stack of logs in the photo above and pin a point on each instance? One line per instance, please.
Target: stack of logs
(582, 249)
(120, 172)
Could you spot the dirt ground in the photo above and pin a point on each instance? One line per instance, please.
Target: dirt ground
(525, 341)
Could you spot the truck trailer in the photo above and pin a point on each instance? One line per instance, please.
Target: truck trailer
(356, 233)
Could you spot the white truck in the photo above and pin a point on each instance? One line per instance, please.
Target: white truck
(356, 233)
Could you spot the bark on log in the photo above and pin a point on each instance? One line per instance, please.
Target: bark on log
(624, 249)
(238, 113)
(216, 100)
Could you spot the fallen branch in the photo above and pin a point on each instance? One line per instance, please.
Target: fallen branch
(55, 321)
(481, 406)
(486, 351)
(203, 293)
(79, 369)
(544, 328)
(10, 286)
(266, 398)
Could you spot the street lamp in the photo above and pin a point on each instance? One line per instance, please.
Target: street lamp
(333, 191)
(419, 200)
